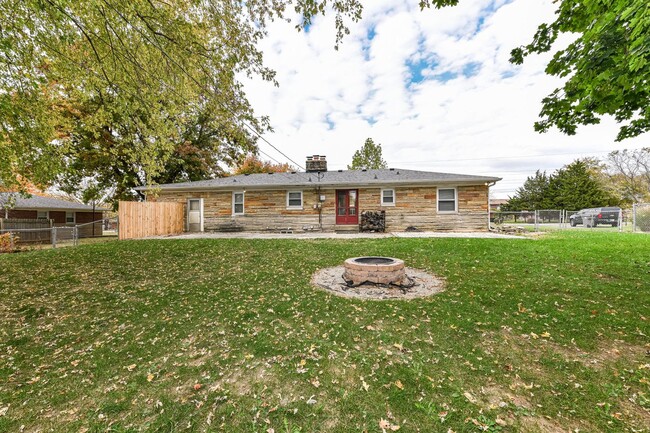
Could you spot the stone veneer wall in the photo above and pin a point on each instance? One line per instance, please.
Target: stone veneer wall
(415, 206)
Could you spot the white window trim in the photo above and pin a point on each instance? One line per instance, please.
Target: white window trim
(243, 202)
(46, 212)
(381, 197)
(455, 211)
(74, 217)
(302, 202)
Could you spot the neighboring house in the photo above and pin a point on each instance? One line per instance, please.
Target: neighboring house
(496, 203)
(332, 200)
(60, 212)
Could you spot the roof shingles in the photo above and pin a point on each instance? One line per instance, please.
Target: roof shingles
(329, 178)
(40, 202)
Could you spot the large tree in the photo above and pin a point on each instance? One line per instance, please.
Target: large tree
(368, 157)
(127, 91)
(575, 186)
(606, 69)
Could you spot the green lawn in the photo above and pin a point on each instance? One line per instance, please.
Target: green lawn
(228, 335)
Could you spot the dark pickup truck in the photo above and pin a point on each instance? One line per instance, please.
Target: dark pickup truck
(594, 216)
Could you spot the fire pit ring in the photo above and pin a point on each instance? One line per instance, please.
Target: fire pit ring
(376, 270)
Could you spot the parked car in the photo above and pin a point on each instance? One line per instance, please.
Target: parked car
(594, 216)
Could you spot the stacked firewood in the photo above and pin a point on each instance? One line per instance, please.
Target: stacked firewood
(373, 221)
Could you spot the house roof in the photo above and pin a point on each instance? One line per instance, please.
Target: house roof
(328, 178)
(49, 203)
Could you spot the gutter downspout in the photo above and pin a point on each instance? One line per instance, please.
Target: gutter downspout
(489, 184)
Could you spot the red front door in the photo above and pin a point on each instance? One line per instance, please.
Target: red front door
(347, 206)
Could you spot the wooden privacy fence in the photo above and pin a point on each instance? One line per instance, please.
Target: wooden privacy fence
(140, 220)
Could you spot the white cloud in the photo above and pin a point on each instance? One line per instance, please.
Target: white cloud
(330, 101)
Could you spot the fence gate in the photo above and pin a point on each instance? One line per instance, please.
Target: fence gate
(140, 220)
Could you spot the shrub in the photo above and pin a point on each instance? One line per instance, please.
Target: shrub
(8, 243)
(643, 219)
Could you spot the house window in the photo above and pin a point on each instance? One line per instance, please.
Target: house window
(447, 200)
(294, 199)
(42, 214)
(238, 203)
(388, 197)
(69, 217)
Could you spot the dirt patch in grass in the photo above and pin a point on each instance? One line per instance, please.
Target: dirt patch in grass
(532, 346)
(496, 396)
(541, 424)
(607, 352)
(638, 415)
(516, 411)
(241, 381)
(331, 280)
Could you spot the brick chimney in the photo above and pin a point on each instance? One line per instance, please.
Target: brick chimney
(316, 163)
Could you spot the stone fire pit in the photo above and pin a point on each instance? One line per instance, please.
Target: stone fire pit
(377, 270)
(377, 278)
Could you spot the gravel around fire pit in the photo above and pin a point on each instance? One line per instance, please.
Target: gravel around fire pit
(331, 280)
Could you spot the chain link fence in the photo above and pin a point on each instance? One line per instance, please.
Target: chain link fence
(541, 220)
(641, 217)
(21, 237)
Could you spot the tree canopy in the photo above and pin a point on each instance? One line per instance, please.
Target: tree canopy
(253, 164)
(368, 157)
(125, 91)
(574, 186)
(606, 69)
(629, 174)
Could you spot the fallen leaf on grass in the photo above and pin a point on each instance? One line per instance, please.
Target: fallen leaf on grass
(398, 383)
(385, 425)
(470, 397)
(150, 377)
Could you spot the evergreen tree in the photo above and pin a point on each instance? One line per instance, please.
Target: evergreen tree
(532, 195)
(368, 157)
(574, 186)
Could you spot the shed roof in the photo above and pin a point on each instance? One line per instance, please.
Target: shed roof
(49, 203)
(392, 176)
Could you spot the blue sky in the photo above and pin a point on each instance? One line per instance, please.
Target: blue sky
(434, 87)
